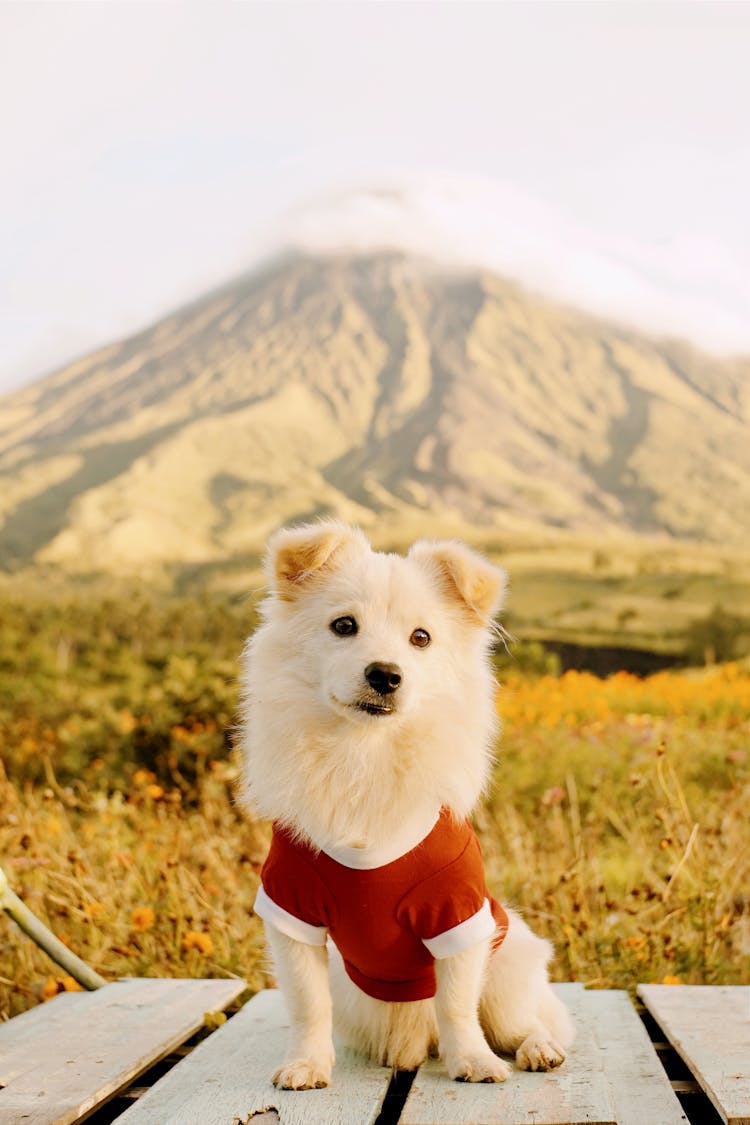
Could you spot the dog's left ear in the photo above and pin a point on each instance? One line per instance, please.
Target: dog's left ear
(464, 575)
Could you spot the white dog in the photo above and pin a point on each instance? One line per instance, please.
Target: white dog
(369, 723)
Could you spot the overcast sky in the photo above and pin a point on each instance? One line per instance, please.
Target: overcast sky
(600, 151)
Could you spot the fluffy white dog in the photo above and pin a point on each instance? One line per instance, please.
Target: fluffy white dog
(368, 727)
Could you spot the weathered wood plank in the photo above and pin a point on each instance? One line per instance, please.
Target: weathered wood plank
(709, 1027)
(67, 1058)
(576, 1093)
(42, 1024)
(227, 1080)
(640, 1090)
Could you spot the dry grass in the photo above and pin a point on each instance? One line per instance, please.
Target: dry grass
(618, 823)
(136, 885)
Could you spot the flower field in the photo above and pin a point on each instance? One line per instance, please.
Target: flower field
(620, 822)
(619, 818)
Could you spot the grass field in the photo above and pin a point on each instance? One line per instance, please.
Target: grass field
(618, 819)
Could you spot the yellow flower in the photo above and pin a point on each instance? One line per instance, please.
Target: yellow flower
(143, 918)
(670, 979)
(193, 939)
(155, 792)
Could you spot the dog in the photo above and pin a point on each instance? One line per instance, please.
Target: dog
(367, 732)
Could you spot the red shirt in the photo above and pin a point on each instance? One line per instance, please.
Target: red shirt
(391, 922)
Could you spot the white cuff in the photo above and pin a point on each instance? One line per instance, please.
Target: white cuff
(293, 927)
(463, 936)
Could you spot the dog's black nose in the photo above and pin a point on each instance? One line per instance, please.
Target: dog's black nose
(385, 678)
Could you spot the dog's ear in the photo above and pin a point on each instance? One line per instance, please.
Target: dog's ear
(297, 555)
(464, 575)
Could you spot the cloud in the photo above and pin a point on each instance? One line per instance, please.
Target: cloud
(684, 285)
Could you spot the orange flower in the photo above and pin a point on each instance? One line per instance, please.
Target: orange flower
(50, 988)
(155, 792)
(127, 722)
(670, 979)
(143, 918)
(193, 939)
(143, 777)
(54, 985)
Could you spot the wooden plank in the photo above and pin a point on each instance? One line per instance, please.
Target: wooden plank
(44, 1024)
(68, 1058)
(638, 1084)
(575, 1094)
(709, 1027)
(47, 1025)
(226, 1080)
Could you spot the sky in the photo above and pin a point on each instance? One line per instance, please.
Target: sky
(597, 151)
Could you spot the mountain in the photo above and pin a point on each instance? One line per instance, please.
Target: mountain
(380, 388)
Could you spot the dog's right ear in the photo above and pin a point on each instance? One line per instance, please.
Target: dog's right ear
(298, 555)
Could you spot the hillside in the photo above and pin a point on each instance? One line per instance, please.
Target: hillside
(379, 389)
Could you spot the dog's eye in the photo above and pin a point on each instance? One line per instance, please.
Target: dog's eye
(344, 626)
(420, 638)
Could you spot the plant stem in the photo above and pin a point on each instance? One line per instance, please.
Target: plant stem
(45, 939)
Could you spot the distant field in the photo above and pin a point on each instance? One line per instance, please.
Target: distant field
(617, 821)
(686, 602)
(659, 613)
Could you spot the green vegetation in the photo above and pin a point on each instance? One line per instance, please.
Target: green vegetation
(94, 688)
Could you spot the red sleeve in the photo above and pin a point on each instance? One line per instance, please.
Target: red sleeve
(292, 896)
(450, 909)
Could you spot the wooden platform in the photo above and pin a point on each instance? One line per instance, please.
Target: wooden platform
(709, 1027)
(126, 1054)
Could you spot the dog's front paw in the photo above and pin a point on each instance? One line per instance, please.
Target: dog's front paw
(539, 1054)
(479, 1065)
(302, 1074)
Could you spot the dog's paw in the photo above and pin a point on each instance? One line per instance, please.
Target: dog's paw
(302, 1074)
(539, 1054)
(476, 1066)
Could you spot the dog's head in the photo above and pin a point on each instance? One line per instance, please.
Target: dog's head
(380, 638)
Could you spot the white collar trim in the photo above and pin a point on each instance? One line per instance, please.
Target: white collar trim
(366, 859)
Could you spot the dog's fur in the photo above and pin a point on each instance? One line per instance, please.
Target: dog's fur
(337, 774)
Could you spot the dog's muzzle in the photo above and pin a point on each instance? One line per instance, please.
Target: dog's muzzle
(383, 681)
